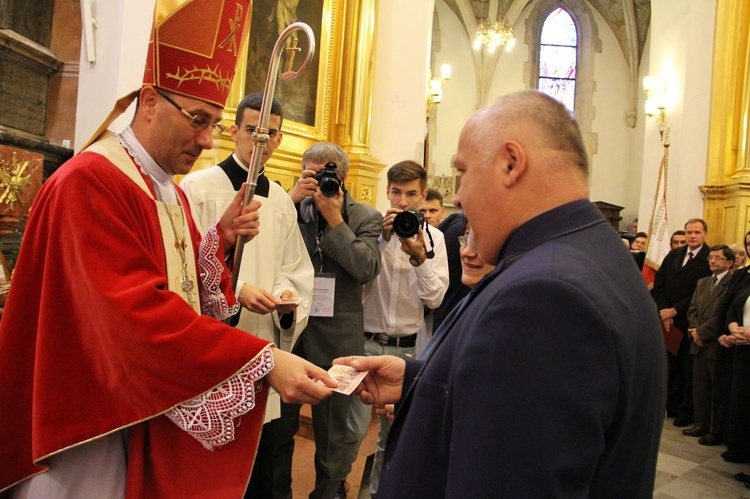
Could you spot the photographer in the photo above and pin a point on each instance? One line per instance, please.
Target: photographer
(414, 275)
(341, 236)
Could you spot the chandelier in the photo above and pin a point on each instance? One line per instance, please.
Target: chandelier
(494, 34)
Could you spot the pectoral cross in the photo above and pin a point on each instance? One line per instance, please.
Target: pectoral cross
(187, 286)
(292, 52)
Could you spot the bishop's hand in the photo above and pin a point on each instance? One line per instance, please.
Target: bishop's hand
(238, 221)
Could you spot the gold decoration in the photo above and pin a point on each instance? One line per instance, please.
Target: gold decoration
(12, 180)
(234, 25)
(367, 196)
(207, 75)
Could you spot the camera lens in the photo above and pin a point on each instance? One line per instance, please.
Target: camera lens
(407, 223)
(329, 181)
(329, 186)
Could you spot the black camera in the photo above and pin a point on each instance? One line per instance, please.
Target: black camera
(407, 223)
(329, 181)
(626, 235)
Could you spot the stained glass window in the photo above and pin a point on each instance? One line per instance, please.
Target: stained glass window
(558, 56)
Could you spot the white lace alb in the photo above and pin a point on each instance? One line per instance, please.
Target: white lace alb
(209, 418)
(213, 301)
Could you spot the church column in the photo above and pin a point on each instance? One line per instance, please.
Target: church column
(727, 189)
(352, 113)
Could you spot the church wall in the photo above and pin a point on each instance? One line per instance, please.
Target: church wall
(616, 162)
(681, 49)
(402, 51)
(459, 93)
(121, 42)
(613, 159)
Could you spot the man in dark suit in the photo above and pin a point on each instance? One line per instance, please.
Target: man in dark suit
(704, 329)
(674, 284)
(541, 384)
(341, 236)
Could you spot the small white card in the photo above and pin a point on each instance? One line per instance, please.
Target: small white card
(290, 301)
(347, 377)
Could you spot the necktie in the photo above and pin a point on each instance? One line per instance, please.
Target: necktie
(689, 257)
(714, 280)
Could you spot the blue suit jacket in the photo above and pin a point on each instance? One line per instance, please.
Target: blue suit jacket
(549, 382)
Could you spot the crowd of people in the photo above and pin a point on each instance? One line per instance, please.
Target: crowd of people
(702, 293)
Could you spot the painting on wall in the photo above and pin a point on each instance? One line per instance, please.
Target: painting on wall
(269, 19)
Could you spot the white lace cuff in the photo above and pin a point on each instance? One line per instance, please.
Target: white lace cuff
(209, 418)
(213, 301)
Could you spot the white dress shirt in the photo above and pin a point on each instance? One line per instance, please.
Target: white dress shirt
(394, 301)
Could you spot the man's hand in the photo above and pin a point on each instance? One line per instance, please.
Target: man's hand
(257, 300)
(305, 187)
(387, 412)
(234, 223)
(667, 313)
(390, 214)
(726, 341)
(287, 308)
(694, 334)
(384, 380)
(739, 335)
(330, 207)
(414, 247)
(291, 378)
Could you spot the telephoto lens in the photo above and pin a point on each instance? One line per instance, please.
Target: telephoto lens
(407, 223)
(329, 181)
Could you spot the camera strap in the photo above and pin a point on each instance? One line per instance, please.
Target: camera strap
(429, 254)
(323, 223)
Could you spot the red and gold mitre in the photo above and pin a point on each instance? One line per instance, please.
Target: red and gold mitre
(192, 52)
(194, 45)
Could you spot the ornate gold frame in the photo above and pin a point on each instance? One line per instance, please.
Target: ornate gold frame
(325, 47)
(343, 106)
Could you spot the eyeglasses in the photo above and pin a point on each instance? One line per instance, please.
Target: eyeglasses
(716, 257)
(463, 240)
(196, 120)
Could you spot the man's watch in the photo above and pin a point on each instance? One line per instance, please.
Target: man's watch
(416, 262)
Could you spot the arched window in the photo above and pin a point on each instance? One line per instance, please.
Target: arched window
(558, 49)
(565, 26)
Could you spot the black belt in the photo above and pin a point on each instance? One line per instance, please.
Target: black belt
(393, 341)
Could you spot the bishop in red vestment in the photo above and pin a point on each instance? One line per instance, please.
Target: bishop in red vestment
(102, 342)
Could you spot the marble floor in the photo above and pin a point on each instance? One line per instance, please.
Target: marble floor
(685, 470)
(303, 468)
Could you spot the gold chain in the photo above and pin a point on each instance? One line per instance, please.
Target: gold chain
(187, 285)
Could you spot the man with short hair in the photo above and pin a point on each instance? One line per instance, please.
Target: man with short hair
(639, 242)
(677, 240)
(704, 329)
(674, 284)
(341, 236)
(432, 208)
(541, 384)
(276, 268)
(119, 381)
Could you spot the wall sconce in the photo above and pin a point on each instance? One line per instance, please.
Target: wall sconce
(435, 95)
(656, 102)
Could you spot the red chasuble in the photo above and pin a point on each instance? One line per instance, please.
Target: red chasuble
(92, 341)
